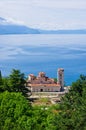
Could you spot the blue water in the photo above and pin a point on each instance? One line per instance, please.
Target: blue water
(35, 53)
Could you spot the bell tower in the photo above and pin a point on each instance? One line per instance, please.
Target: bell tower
(61, 78)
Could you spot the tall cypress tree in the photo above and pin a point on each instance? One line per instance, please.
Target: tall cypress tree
(1, 82)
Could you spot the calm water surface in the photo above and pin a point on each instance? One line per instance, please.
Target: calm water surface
(35, 53)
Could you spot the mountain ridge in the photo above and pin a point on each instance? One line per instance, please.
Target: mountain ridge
(11, 28)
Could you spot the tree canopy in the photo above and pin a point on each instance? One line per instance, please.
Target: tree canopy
(15, 82)
(73, 107)
(16, 112)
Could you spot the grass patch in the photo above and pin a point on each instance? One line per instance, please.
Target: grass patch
(42, 101)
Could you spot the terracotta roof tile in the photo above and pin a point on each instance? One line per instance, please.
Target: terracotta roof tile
(45, 85)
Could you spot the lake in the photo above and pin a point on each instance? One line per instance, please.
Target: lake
(47, 53)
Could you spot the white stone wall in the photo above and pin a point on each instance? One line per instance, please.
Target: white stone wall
(45, 89)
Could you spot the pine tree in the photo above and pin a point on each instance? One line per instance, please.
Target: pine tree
(17, 81)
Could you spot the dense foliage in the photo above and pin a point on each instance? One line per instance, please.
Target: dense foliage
(15, 82)
(16, 113)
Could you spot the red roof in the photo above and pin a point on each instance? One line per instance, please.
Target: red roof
(45, 85)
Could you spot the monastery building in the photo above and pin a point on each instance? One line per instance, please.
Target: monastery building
(42, 83)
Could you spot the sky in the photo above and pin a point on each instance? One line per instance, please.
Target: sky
(45, 14)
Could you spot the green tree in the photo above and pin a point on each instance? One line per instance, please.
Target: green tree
(17, 81)
(79, 85)
(1, 82)
(15, 112)
(73, 107)
(71, 113)
(39, 118)
(5, 85)
(55, 80)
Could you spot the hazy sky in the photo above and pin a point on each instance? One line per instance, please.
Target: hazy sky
(45, 14)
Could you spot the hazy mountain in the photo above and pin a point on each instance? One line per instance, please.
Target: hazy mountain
(10, 28)
(17, 29)
(78, 31)
(7, 27)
